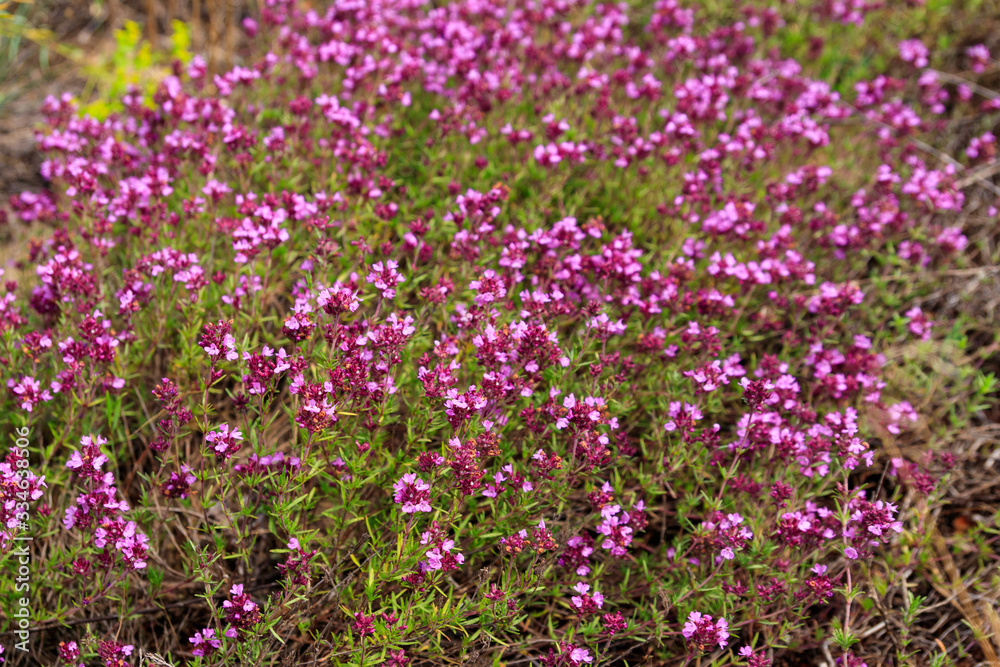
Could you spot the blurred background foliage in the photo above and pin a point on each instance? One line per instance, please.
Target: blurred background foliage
(108, 45)
(132, 62)
(112, 44)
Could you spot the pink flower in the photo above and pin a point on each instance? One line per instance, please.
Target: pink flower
(913, 51)
(584, 602)
(242, 613)
(979, 57)
(225, 441)
(702, 633)
(919, 324)
(951, 239)
(412, 493)
(218, 341)
(385, 278)
(363, 625)
(205, 642)
(28, 392)
(444, 556)
(614, 623)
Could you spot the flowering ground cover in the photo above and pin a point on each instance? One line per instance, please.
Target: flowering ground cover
(476, 332)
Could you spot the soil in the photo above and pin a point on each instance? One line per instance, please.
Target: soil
(32, 74)
(19, 161)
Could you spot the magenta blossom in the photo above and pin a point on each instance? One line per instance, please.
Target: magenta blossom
(412, 493)
(225, 441)
(205, 642)
(385, 278)
(28, 392)
(701, 633)
(586, 603)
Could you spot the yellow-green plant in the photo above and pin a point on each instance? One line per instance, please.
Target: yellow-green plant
(134, 62)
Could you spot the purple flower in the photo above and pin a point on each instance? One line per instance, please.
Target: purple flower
(584, 602)
(702, 633)
(363, 625)
(614, 623)
(218, 341)
(385, 278)
(412, 493)
(919, 324)
(28, 392)
(913, 51)
(205, 642)
(979, 57)
(242, 613)
(224, 440)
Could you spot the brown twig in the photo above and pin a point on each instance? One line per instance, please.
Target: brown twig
(975, 87)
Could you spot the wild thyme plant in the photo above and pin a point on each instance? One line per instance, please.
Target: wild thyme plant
(538, 331)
